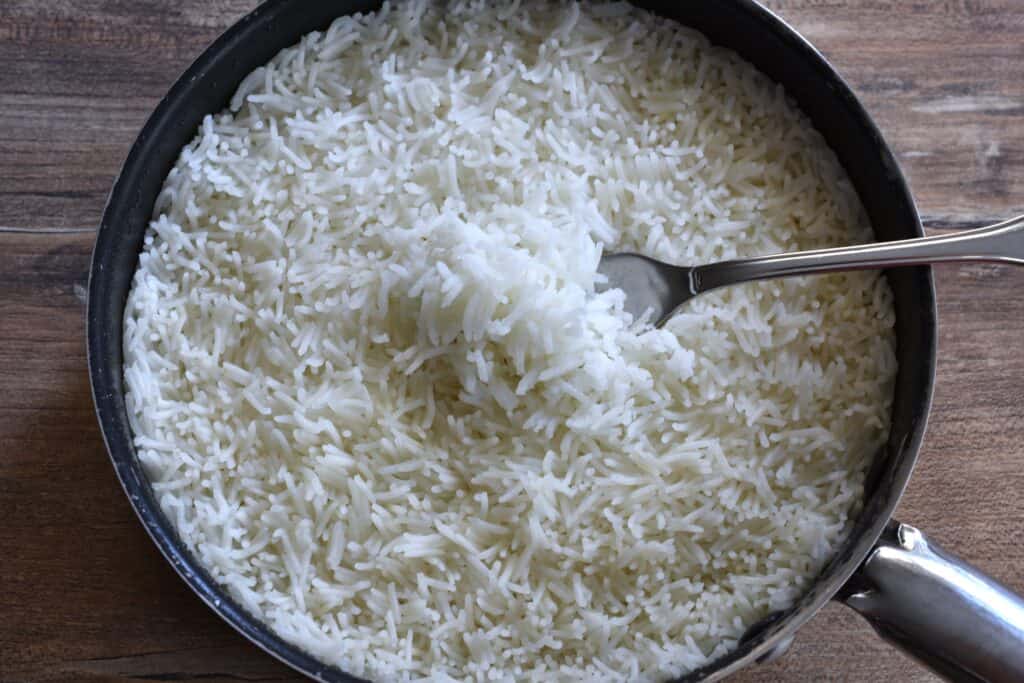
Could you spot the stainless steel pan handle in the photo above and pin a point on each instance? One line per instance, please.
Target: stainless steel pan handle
(962, 624)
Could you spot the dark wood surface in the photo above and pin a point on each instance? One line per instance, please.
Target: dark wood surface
(84, 595)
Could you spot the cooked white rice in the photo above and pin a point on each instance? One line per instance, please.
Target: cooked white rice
(379, 400)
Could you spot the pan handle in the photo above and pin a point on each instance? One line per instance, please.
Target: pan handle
(942, 611)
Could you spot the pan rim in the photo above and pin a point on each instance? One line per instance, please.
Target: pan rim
(117, 437)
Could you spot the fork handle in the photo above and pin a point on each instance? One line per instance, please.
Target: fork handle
(1002, 242)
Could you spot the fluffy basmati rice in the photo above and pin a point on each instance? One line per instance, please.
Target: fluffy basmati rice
(379, 399)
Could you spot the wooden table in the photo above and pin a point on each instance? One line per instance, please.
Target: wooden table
(85, 596)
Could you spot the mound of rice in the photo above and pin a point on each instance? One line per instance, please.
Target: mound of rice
(379, 399)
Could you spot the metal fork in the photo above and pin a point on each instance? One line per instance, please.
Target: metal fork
(662, 288)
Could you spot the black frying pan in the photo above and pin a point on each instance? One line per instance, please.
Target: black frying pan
(944, 612)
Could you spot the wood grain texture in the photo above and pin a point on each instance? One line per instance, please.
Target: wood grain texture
(86, 596)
